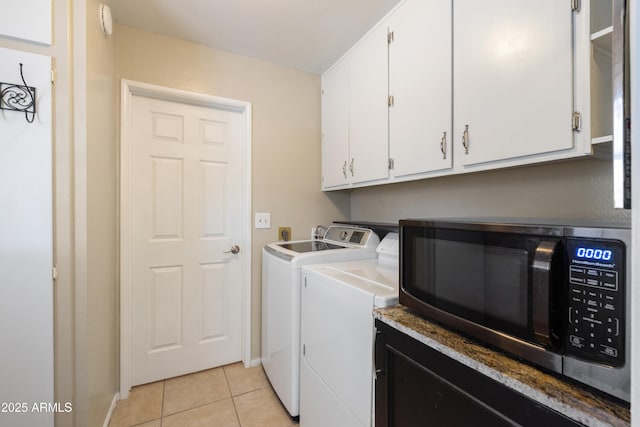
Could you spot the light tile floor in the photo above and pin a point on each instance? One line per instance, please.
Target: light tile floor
(229, 396)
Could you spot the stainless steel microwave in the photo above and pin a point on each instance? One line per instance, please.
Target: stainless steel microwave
(555, 295)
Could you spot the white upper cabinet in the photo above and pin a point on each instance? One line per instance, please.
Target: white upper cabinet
(28, 20)
(335, 125)
(513, 79)
(368, 109)
(444, 87)
(420, 84)
(355, 127)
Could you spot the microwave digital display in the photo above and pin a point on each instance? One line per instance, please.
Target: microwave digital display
(594, 253)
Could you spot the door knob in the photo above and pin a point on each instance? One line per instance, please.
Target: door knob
(234, 250)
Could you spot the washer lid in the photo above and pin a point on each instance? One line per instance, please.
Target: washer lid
(309, 246)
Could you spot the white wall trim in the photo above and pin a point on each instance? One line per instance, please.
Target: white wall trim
(112, 408)
(128, 89)
(78, 89)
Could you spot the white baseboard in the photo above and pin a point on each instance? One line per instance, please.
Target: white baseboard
(112, 408)
(256, 362)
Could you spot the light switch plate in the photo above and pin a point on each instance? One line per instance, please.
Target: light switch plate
(263, 220)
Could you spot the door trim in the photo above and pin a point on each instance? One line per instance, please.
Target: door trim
(130, 88)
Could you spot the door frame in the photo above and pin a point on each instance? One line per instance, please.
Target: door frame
(129, 88)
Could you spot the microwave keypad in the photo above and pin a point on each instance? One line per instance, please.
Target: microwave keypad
(596, 306)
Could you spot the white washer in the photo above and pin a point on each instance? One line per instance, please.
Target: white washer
(281, 263)
(337, 336)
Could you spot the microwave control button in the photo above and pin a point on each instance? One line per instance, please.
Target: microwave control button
(576, 270)
(610, 280)
(609, 351)
(591, 319)
(613, 326)
(577, 280)
(593, 282)
(574, 315)
(609, 306)
(576, 341)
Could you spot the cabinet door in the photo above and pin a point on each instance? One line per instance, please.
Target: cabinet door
(420, 82)
(513, 78)
(368, 108)
(416, 383)
(335, 125)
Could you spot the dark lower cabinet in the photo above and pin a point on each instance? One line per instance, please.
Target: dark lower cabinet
(417, 386)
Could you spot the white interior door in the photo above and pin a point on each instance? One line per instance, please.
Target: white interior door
(186, 215)
(26, 248)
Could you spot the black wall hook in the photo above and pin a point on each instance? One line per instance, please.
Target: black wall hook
(22, 98)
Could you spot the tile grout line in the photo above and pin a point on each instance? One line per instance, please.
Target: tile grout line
(164, 384)
(193, 407)
(233, 402)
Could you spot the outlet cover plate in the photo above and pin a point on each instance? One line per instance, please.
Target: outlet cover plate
(284, 234)
(263, 220)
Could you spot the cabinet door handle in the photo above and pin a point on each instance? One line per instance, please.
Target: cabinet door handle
(344, 169)
(376, 369)
(443, 145)
(351, 167)
(465, 139)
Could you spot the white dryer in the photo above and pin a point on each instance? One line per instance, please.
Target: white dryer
(337, 336)
(281, 264)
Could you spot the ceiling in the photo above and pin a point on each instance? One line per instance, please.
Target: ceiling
(304, 34)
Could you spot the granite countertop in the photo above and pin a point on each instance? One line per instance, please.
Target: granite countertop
(568, 399)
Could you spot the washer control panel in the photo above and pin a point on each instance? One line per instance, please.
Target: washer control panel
(355, 236)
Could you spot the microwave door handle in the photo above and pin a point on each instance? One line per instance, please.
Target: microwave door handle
(541, 289)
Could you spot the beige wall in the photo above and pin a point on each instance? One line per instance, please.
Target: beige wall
(572, 189)
(102, 280)
(286, 130)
